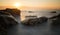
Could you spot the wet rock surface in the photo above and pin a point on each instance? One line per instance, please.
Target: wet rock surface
(35, 21)
(56, 20)
(6, 20)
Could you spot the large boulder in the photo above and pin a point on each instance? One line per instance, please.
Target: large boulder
(13, 11)
(6, 20)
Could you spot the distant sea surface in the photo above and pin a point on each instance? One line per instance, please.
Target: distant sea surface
(46, 13)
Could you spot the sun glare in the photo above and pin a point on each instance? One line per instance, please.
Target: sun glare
(17, 5)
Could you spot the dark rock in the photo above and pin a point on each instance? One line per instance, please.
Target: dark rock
(35, 21)
(43, 19)
(53, 12)
(56, 21)
(12, 11)
(30, 11)
(6, 20)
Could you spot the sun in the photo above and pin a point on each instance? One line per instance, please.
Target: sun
(17, 5)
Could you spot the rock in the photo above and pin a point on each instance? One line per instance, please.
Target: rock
(43, 19)
(56, 21)
(12, 11)
(35, 21)
(53, 12)
(6, 20)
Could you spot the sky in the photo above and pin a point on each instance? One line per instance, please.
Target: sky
(42, 4)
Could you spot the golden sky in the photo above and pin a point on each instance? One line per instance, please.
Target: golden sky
(44, 4)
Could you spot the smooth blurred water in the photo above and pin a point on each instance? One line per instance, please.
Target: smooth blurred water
(41, 29)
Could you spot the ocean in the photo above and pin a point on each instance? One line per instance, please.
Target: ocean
(46, 13)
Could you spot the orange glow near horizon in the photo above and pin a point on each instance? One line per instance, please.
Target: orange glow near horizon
(30, 4)
(17, 5)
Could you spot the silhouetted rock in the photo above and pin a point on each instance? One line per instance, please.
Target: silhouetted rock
(53, 12)
(56, 20)
(11, 11)
(53, 17)
(58, 15)
(6, 20)
(30, 11)
(35, 21)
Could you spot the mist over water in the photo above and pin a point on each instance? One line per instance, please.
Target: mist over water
(40, 13)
